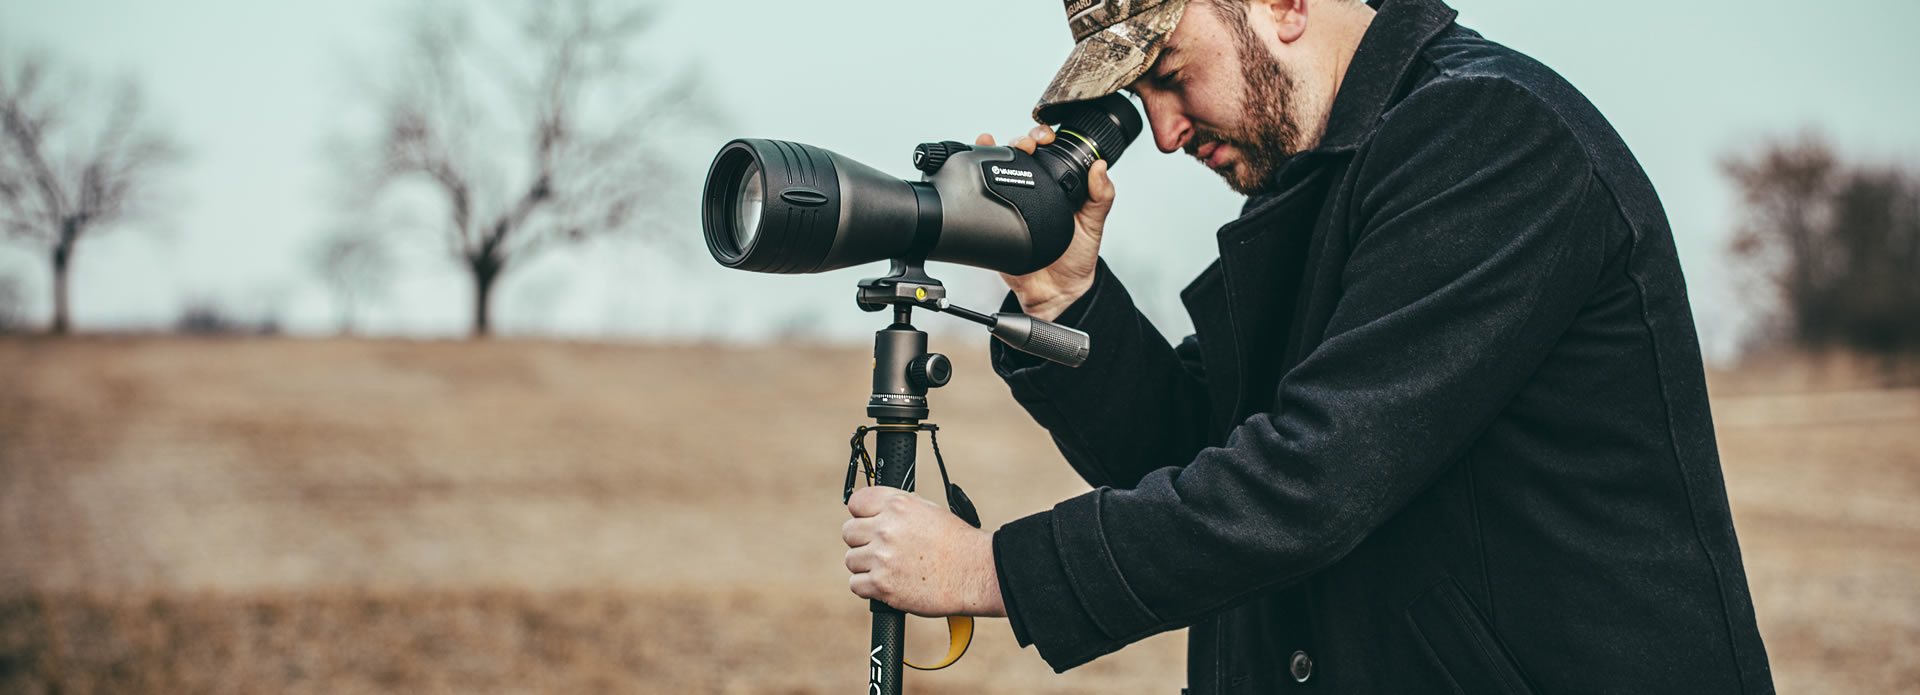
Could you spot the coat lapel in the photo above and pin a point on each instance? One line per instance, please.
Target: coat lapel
(1242, 306)
(1205, 299)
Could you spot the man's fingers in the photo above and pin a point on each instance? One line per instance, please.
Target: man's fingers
(868, 501)
(1099, 187)
(862, 586)
(1040, 135)
(857, 532)
(862, 559)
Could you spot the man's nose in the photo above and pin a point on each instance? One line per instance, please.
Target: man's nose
(1170, 130)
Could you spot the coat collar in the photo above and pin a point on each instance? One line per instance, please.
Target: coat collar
(1383, 62)
(1386, 55)
(1381, 66)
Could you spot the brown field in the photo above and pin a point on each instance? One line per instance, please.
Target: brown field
(203, 515)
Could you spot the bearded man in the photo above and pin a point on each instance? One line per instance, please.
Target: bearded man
(1442, 426)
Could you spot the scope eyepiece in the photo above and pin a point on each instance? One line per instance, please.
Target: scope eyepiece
(1105, 126)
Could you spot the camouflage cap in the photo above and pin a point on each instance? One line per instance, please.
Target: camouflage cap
(1115, 41)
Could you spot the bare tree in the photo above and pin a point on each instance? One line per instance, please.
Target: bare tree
(1839, 241)
(355, 266)
(522, 132)
(11, 298)
(68, 171)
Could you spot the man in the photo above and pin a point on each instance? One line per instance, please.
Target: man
(1443, 425)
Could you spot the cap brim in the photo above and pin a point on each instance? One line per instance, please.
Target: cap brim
(1111, 58)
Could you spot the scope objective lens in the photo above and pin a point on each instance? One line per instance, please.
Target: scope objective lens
(746, 216)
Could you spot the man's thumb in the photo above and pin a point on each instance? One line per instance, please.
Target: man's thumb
(1100, 189)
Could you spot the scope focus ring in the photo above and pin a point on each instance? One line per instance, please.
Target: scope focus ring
(930, 156)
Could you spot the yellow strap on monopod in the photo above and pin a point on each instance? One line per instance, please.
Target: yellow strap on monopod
(959, 636)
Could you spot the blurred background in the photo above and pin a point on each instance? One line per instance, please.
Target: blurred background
(372, 346)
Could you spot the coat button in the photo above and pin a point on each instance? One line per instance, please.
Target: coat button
(1302, 667)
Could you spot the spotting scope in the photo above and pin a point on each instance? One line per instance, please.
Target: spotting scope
(774, 206)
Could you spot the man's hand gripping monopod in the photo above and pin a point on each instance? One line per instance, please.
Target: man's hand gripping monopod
(860, 463)
(903, 372)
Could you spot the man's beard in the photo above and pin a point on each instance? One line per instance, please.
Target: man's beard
(1270, 134)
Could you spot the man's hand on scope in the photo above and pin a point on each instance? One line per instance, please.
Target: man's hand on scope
(1047, 292)
(918, 557)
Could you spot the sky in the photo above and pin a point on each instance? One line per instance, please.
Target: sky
(261, 93)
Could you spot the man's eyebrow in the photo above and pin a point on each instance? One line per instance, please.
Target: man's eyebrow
(1167, 51)
(1153, 69)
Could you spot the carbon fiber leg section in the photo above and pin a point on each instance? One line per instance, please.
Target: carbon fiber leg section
(884, 660)
(895, 463)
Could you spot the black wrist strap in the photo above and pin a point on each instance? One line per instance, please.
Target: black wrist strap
(860, 462)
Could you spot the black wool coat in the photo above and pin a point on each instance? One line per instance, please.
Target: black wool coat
(1442, 427)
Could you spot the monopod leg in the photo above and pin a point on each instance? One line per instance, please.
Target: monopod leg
(895, 469)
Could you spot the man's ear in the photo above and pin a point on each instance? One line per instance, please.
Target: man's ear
(1289, 17)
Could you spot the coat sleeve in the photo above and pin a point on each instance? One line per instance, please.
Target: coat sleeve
(1137, 404)
(1478, 236)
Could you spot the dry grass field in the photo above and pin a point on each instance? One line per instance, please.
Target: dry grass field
(206, 515)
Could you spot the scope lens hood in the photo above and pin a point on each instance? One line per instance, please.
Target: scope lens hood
(771, 206)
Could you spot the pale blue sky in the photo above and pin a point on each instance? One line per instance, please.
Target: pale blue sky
(256, 89)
